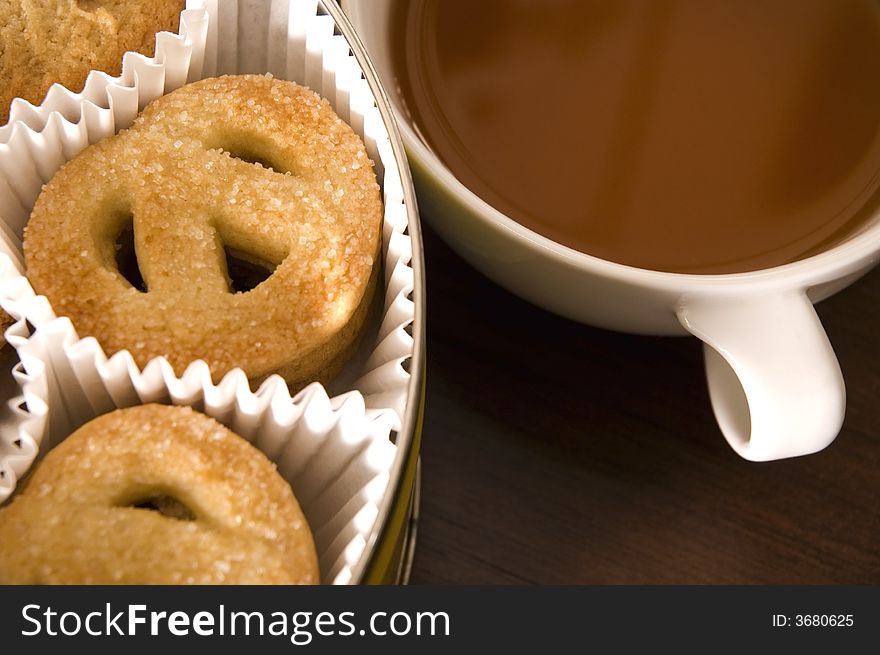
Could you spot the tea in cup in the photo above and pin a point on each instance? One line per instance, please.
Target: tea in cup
(707, 167)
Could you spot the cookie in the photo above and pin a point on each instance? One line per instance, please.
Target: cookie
(155, 495)
(48, 41)
(223, 174)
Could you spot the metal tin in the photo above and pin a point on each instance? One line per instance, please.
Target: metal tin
(391, 543)
(389, 547)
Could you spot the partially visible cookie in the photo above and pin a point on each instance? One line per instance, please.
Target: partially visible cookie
(155, 495)
(48, 41)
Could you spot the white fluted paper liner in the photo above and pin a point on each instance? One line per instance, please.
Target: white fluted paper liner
(336, 452)
(24, 418)
(33, 145)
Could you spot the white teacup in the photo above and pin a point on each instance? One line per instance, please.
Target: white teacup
(774, 380)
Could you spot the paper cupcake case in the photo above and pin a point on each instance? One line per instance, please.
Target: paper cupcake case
(24, 418)
(337, 452)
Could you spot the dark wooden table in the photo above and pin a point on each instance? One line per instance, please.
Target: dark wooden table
(556, 453)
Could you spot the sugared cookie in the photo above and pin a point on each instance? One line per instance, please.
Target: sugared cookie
(48, 41)
(155, 495)
(223, 174)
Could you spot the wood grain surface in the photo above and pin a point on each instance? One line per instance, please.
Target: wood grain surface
(556, 453)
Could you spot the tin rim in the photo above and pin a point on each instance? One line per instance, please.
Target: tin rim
(404, 569)
(406, 439)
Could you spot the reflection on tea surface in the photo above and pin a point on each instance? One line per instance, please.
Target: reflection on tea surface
(699, 136)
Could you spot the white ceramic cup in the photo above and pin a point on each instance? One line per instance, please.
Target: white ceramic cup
(774, 380)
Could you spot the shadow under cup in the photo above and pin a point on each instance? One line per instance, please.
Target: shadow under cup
(774, 381)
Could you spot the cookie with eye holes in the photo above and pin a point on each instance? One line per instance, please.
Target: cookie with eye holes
(225, 174)
(155, 495)
(48, 41)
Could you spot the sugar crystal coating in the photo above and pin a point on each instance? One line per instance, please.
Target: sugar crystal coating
(79, 519)
(251, 165)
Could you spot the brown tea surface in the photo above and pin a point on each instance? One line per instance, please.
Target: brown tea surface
(697, 136)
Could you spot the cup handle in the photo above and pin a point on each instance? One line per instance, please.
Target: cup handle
(774, 380)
